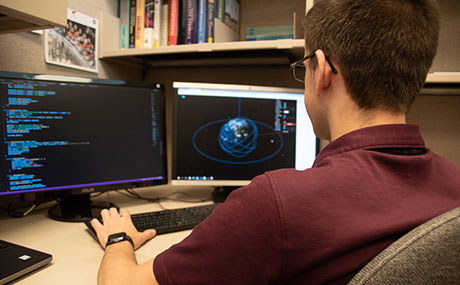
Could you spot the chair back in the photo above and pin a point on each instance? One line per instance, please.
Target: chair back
(429, 254)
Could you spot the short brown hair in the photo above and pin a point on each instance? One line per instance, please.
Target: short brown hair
(384, 48)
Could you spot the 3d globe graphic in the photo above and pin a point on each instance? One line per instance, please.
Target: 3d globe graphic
(238, 137)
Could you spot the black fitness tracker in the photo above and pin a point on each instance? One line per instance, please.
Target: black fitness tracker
(118, 237)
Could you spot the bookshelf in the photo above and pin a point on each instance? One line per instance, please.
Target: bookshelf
(237, 53)
(26, 15)
(253, 13)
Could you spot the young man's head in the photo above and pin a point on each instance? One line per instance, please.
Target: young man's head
(383, 48)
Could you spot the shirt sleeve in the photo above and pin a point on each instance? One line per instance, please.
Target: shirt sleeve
(240, 242)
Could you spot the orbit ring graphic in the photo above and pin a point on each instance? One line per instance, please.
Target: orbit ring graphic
(230, 161)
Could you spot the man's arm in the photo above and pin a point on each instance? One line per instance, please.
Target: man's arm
(119, 264)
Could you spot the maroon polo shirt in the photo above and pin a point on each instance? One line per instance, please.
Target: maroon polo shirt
(323, 224)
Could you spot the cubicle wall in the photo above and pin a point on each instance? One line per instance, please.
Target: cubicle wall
(437, 114)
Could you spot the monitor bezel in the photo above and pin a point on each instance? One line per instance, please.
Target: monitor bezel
(217, 183)
(101, 186)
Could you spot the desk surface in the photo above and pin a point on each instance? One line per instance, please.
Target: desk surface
(76, 254)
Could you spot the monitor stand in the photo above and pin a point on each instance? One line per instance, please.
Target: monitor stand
(220, 194)
(76, 207)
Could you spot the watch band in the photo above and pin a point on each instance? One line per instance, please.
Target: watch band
(118, 237)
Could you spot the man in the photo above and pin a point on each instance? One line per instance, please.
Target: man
(366, 62)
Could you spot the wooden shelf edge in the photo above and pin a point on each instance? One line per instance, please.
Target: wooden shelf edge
(207, 47)
(12, 25)
(14, 15)
(443, 77)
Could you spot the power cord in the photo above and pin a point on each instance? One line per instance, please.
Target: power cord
(14, 212)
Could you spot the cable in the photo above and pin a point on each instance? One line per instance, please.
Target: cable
(93, 195)
(133, 194)
(14, 213)
(161, 206)
(183, 200)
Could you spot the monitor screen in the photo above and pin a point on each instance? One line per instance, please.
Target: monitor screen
(225, 135)
(63, 133)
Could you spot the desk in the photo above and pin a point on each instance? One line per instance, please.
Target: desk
(76, 254)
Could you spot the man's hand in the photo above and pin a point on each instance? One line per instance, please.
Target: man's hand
(115, 223)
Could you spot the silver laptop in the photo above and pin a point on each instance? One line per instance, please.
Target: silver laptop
(17, 261)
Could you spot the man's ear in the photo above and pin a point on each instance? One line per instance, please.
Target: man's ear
(323, 72)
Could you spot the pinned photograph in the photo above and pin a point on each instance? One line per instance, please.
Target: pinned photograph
(74, 46)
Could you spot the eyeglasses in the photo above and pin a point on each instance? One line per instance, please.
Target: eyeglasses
(298, 69)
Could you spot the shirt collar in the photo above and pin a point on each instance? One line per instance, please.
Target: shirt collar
(382, 136)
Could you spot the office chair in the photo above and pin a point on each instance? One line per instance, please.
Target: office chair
(429, 254)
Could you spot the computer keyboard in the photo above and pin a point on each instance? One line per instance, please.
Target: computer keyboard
(167, 221)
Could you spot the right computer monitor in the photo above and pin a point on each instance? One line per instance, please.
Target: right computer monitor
(226, 134)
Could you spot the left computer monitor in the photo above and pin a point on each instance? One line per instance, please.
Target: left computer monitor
(80, 135)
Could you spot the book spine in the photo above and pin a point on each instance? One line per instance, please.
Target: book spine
(140, 15)
(124, 24)
(132, 23)
(173, 22)
(196, 12)
(232, 14)
(193, 22)
(156, 23)
(164, 32)
(149, 24)
(202, 21)
(211, 14)
(221, 10)
(189, 33)
(182, 19)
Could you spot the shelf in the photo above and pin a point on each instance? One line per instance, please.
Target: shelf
(442, 83)
(273, 52)
(278, 52)
(26, 15)
(207, 47)
(443, 77)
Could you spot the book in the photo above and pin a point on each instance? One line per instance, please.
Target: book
(190, 22)
(124, 24)
(140, 15)
(173, 22)
(182, 19)
(164, 25)
(149, 23)
(202, 21)
(156, 23)
(132, 23)
(211, 15)
(221, 10)
(232, 14)
(270, 33)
